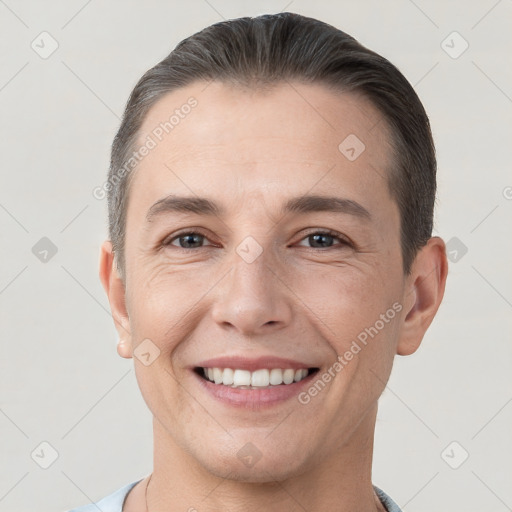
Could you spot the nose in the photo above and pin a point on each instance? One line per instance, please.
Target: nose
(253, 297)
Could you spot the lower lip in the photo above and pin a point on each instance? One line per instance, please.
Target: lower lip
(253, 398)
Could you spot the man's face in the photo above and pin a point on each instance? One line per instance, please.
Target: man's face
(255, 281)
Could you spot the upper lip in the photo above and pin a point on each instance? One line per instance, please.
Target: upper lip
(253, 364)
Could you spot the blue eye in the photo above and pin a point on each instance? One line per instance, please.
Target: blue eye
(320, 238)
(195, 240)
(190, 240)
(325, 237)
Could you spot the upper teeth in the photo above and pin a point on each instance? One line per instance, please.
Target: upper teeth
(258, 378)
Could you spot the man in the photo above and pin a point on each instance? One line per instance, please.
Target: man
(271, 196)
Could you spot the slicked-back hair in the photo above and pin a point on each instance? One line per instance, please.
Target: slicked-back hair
(264, 51)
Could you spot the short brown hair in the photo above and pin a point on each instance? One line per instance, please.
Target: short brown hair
(269, 49)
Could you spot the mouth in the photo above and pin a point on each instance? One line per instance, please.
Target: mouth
(262, 378)
(253, 383)
(254, 390)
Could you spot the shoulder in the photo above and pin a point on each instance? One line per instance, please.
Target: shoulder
(111, 503)
(390, 505)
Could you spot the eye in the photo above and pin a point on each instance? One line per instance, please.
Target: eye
(324, 239)
(186, 240)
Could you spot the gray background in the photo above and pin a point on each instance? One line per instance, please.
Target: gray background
(62, 381)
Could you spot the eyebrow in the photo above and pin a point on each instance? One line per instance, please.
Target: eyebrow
(301, 205)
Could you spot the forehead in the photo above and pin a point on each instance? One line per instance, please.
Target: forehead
(214, 138)
(223, 113)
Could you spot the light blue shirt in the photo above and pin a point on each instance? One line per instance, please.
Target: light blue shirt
(115, 501)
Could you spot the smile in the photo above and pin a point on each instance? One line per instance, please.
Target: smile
(258, 379)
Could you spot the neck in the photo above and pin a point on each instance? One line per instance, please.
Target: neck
(341, 482)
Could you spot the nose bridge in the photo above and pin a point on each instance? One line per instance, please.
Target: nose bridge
(253, 297)
(251, 263)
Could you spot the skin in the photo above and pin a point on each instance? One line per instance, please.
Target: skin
(250, 151)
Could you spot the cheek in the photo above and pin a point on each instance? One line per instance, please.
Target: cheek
(167, 305)
(357, 312)
(160, 295)
(348, 296)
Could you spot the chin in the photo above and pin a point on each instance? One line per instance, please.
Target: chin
(248, 464)
(262, 473)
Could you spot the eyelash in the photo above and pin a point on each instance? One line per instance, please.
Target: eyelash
(341, 238)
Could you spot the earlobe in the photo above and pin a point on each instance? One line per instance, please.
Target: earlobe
(124, 349)
(424, 294)
(116, 293)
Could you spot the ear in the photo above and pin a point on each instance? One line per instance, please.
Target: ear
(423, 294)
(116, 293)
